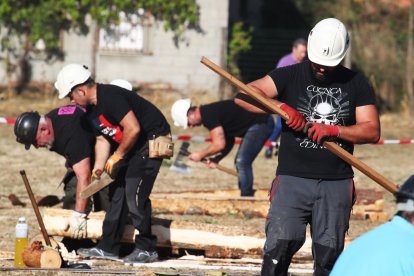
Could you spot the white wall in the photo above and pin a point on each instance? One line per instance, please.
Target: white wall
(180, 66)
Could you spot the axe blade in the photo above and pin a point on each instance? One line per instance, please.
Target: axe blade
(179, 162)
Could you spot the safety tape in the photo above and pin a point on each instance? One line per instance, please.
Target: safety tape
(268, 143)
(9, 121)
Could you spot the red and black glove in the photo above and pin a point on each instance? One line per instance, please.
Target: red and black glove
(113, 165)
(296, 120)
(320, 132)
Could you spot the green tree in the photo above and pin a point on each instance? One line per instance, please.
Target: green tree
(24, 23)
(240, 41)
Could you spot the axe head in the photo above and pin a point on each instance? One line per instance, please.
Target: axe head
(179, 162)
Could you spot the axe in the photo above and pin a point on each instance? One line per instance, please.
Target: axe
(331, 146)
(183, 152)
(35, 208)
(96, 185)
(179, 163)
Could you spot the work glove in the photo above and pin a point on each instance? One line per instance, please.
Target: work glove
(296, 120)
(77, 225)
(319, 133)
(113, 165)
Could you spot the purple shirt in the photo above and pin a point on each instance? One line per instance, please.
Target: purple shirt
(286, 60)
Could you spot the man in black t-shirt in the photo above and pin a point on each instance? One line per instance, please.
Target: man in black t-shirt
(124, 124)
(323, 100)
(65, 131)
(225, 121)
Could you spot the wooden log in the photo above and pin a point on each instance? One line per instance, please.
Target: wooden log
(169, 234)
(36, 255)
(179, 236)
(222, 202)
(210, 205)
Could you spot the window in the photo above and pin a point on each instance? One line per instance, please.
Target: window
(131, 36)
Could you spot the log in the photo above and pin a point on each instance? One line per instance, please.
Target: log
(209, 205)
(36, 255)
(369, 204)
(212, 241)
(169, 234)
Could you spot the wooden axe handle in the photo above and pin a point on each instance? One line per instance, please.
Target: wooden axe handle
(35, 208)
(331, 146)
(218, 166)
(223, 169)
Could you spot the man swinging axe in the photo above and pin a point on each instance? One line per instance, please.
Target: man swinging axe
(226, 121)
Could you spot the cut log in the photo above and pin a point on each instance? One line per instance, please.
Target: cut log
(50, 258)
(36, 255)
(369, 204)
(169, 234)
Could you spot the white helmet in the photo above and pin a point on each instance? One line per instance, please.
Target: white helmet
(328, 42)
(122, 83)
(179, 112)
(70, 76)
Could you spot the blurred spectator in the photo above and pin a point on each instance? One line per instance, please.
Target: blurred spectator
(298, 54)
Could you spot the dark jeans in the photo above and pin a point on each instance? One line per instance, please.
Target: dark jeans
(130, 195)
(249, 148)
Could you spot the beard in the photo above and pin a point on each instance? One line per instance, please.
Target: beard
(321, 78)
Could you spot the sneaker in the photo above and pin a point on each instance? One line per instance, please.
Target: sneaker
(95, 252)
(140, 256)
(268, 153)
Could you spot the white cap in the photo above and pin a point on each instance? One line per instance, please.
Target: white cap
(328, 42)
(70, 76)
(179, 112)
(122, 83)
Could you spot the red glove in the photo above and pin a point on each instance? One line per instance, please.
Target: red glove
(113, 165)
(296, 120)
(320, 132)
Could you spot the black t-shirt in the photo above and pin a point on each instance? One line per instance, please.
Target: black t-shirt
(113, 103)
(234, 119)
(332, 104)
(74, 138)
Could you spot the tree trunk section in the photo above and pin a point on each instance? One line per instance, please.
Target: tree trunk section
(36, 255)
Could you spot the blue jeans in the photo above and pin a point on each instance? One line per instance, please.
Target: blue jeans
(249, 148)
(277, 130)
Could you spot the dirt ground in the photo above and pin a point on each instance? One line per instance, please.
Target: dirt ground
(45, 170)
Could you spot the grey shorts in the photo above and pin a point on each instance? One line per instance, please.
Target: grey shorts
(296, 202)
